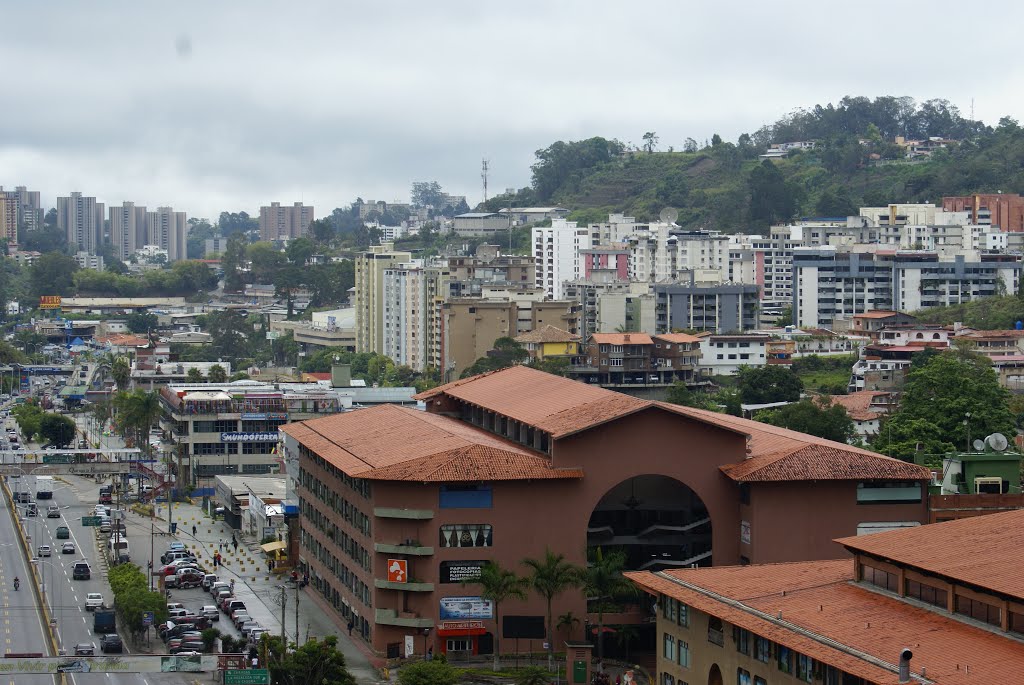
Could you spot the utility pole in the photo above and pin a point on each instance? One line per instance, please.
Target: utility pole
(284, 605)
(296, 614)
(152, 563)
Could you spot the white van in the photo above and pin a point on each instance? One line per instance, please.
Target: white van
(117, 550)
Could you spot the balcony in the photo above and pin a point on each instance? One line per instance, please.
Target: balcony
(405, 619)
(408, 587)
(407, 514)
(414, 550)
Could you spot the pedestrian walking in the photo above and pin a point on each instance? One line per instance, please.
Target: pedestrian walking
(193, 531)
(255, 662)
(351, 625)
(222, 544)
(234, 543)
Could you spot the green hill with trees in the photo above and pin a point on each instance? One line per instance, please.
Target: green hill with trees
(725, 186)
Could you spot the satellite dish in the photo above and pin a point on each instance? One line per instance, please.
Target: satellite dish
(997, 441)
(979, 445)
(669, 215)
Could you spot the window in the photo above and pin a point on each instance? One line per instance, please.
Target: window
(979, 611)
(758, 680)
(715, 634)
(879, 578)
(742, 638)
(466, 535)
(669, 608)
(667, 679)
(669, 647)
(804, 668)
(926, 593)
(683, 653)
(683, 615)
(742, 677)
(762, 649)
(888, 492)
(785, 659)
(458, 645)
(454, 496)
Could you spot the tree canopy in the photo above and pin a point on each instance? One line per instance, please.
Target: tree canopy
(946, 403)
(766, 384)
(823, 418)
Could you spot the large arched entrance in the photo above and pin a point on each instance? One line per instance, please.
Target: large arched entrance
(657, 521)
(715, 675)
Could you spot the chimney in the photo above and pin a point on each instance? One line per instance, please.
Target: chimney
(905, 656)
(341, 375)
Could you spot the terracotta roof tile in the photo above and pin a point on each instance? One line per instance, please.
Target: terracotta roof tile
(556, 405)
(399, 443)
(991, 547)
(622, 338)
(677, 338)
(779, 454)
(547, 334)
(857, 404)
(820, 598)
(876, 314)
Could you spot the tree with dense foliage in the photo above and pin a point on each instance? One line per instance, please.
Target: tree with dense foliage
(316, 661)
(562, 163)
(52, 274)
(679, 393)
(230, 334)
(29, 418)
(133, 599)
(432, 672)
(229, 223)
(766, 384)
(426, 194)
(57, 429)
(141, 322)
(605, 587)
(233, 260)
(217, 374)
(137, 411)
(549, 577)
(194, 375)
(947, 402)
(772, 199)
(121, 370)
(499, 585)
(823, 418)
(506, 352)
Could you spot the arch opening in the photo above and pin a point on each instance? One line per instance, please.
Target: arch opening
(657, 521)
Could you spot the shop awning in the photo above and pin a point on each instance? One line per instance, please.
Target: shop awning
(273, 546)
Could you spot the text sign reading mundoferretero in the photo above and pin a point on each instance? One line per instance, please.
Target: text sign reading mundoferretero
(249, 437)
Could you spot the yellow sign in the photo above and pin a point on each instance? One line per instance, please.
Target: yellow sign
(49, 302)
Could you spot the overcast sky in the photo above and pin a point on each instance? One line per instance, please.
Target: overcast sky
(211, 106)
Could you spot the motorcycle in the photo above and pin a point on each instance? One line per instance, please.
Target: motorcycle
(17, 584)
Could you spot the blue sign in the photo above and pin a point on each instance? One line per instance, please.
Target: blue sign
(253, 417)
(147, 618)
(249, 437)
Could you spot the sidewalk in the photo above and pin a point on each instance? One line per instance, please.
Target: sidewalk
(260, 590)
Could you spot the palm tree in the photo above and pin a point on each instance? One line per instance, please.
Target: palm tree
(549, 577)
(138, 411)
(625, 636)
(217, 374)
(604, 584)
(121, 370)
(568, 622)
(498, 585)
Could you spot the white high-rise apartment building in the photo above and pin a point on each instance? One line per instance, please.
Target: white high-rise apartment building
(369, 294)
(128, 229)
(413, 293)
(557, 251)
(26, 209)
(81, 219)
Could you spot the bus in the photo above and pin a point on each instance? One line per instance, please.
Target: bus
(44, 487)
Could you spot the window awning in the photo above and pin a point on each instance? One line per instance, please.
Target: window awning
(273, 546)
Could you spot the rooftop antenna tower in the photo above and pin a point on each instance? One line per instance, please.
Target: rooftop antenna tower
(483, 176)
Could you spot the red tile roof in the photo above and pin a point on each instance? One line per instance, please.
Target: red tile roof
(677, 337)
(389, 442)
(815, 609)
(982, 550)
(876, 314)
(556, 405)
(780, 454)
(562, 407)
(547, 334)
(622, 338)
(857, 404)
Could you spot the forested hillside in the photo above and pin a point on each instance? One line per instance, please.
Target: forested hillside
(724, 186)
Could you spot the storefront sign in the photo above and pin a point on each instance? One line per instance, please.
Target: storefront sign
(398, 570)
(461, 571)
(461, 625)
(253, 417)
(249, 437)
(49, 302)
(277, 415)
(466, 607)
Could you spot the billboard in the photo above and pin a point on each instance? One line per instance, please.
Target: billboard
(466, 607)
(49, 302)
(461, 571)
(109, 664)
(249, 437)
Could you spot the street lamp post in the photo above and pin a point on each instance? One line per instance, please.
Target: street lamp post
(60, 602)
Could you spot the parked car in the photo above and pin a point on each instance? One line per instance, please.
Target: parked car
(175, 605)
(208, 580)
(218, 587)
(85, 649)
(93, 601)
(210, 612)
(177, 613)
(111, 644)
(248, 627)
(188, 647)
(185, 578)
(254, 635)
(67, 548)
(223, 596)
(240, 618)
(231, 604)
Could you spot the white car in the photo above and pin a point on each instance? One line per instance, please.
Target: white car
(93, 601)
(43, 551)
